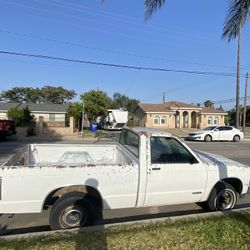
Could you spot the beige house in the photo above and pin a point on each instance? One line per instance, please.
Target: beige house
(176, 115)
(54, 115)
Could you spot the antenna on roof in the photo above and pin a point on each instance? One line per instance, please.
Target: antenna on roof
(163, 96)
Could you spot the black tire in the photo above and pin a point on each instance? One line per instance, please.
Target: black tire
(223, 197)
(208, 138)
(236, 138)
(70, 211)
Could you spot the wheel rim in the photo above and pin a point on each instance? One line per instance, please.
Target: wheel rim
(208, 138)
(236, 138)
(225, 199)
(73, 217)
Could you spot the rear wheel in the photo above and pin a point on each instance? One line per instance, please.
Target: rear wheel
(208, 138)
(222, 197)
(70, 211)
(236, 138)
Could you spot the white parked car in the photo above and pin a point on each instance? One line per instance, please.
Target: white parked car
(217, 133)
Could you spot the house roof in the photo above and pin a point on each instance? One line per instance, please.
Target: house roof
(36, 107)
(182, 105)
(8, 106)
(212, 111)
(166, 107)
(175, 105)
(154, 107)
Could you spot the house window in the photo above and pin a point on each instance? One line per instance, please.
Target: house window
(216, 121)
(156, 120)
(210, 120)
(52, 117)
(163, 120)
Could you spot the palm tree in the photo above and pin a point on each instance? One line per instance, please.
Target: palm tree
(151, 6)
(238, 11)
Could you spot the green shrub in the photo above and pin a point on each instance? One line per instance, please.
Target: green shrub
(130, 123)
(22, 117)
(31, 129)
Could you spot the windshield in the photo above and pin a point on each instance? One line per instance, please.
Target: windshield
(209, 128)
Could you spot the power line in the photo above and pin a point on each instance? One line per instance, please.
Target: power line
(121, 34)
(229, 100)
(120, 17)
(107, 50)
(121, 66)
(102, 30)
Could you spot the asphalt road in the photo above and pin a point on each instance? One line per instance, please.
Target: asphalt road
(39, 222)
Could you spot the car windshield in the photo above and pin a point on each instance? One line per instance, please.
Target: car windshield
(209, 128)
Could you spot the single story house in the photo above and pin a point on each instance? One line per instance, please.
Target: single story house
(54, 115)
(176, 114)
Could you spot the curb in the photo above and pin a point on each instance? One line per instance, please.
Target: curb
(99, 228)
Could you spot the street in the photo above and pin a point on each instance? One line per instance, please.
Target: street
(38, 222)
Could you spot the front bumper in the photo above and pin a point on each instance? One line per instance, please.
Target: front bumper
(193, 138)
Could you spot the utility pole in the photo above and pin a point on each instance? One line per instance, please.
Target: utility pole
(237, 117)
(82, 115)
(245, 105)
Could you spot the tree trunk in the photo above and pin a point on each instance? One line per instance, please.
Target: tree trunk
(237, 117)
(245, 105)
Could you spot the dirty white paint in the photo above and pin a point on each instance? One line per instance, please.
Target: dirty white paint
(121, 179)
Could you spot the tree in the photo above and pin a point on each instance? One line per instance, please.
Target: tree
(209, 104)
(123, 102)
(75, 110)
(221, 108)
(47, 94)
(120, 101)
(238, 11)
(20, 95)
(58, 95)
(151, 6)
(22, 117)
(96, 103)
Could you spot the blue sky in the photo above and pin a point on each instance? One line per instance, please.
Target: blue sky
(183, 35)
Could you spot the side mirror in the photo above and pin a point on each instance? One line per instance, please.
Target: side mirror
(193, 160)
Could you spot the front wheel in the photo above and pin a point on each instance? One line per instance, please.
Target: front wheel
(70, 211)
(208, 138)
(223, 197)
(236, 138)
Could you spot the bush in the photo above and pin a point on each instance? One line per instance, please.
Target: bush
(31, 129)
(130, 123)
(22, 117)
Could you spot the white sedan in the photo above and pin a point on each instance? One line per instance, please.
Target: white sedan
(217, 133)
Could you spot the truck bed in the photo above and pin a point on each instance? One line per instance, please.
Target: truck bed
(60, 155)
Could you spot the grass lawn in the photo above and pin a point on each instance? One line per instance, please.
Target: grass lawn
(232, 232)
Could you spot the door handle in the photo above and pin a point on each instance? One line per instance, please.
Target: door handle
(156, 168)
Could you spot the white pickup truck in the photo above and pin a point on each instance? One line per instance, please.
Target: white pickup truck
(146, 168)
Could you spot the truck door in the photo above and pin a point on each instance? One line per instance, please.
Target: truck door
(175, 176)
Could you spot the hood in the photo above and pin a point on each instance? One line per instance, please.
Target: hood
(218, 160)
(197, 132)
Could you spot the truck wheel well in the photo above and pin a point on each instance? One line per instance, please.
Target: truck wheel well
(236, 183)
(91, 194)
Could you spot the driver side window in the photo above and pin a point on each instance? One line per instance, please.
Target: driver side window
(169, 150)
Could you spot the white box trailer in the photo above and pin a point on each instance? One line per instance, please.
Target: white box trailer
(116, 119)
